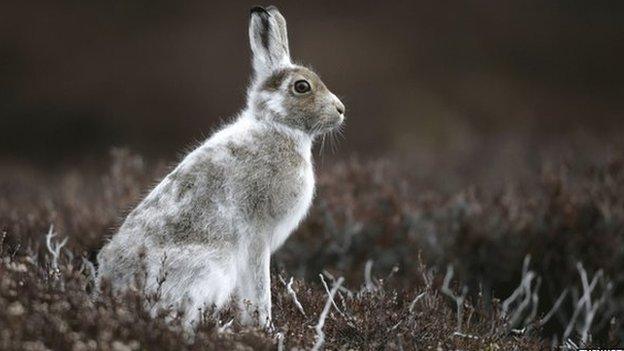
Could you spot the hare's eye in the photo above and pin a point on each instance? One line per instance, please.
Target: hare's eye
(302, 86)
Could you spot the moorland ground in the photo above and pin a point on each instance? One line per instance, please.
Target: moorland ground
(535, 245)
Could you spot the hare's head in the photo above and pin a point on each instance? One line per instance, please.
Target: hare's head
(283, 92)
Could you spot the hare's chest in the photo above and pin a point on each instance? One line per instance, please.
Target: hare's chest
(296, 204)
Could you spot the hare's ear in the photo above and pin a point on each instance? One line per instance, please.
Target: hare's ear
(269, 40)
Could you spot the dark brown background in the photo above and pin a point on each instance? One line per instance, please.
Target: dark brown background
(78, 77)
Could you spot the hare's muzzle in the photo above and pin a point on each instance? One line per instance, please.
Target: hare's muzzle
(340, 107)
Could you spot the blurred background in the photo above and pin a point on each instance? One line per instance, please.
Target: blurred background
(477, 133)
(158, 76)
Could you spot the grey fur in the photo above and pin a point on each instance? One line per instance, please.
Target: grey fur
(231, 202)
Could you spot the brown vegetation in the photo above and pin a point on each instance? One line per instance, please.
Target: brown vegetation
(368, 225)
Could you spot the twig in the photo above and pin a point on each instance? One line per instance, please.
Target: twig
(534, 303)
(346, 318)
(520, 308)
(467, 336)
(587, 291)
(225, 327)
(526, 301)
(342, 288)
(320, 335)
(292, 294)
(328, 293)
(526, 275)
(553, 309)
(280, 341)
(459, 299)
(370, 286)
(415, 300)
(590, 307)
(54, 248)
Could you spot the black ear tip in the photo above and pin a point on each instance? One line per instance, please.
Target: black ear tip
(257, 9)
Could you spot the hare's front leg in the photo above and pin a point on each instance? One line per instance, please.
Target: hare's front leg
(254, 283)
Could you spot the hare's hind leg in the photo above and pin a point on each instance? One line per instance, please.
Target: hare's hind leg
(254, 284)
(199, 279)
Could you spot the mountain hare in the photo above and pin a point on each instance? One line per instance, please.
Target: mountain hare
(213, 222)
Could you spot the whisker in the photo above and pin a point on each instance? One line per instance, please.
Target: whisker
(340, 131)
(332, 136)
(322, 146)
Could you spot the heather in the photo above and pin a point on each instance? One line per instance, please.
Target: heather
(442, 259)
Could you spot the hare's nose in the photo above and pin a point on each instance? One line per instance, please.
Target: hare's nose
(340, 107)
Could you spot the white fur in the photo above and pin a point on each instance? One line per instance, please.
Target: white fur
(283, 230)
(211, 277)
(231, 255)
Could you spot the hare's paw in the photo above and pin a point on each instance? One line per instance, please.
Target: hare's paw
(254, 315)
